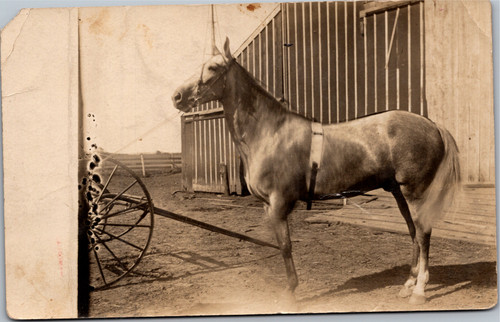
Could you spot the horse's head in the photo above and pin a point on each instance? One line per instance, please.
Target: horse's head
(206, 87)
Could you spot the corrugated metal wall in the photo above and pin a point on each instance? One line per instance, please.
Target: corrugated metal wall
(332, 62)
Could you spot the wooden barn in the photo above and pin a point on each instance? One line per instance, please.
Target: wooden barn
(337, 61)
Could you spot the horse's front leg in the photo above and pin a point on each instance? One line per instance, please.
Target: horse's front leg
(278, 211)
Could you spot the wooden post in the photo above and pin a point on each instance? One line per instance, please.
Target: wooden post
(143, 167)
(224, 178)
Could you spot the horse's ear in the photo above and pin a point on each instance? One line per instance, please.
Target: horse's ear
(227, 51)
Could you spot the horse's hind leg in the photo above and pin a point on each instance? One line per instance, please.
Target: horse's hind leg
(407, 288)
(423, 238)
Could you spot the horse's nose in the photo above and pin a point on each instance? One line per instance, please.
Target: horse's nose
(177, 97)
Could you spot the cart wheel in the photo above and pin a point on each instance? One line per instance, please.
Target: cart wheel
(119, 224)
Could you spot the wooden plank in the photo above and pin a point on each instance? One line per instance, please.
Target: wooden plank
(208, 188)
(370, 65)
(270, 70)
(401, 54)
(203, 146)
(205, 112)
(221, 146)
(197, 152)
(392, 74)
(251, 56)
(256, 58)
(350, 61)
(488, 190)
(380, 219)
(400, 227)
(316, 102)
(293, 55)
(376, 7)
(386, 49)
(244, 58)
(212, 153)
(415, 58)
(146, 155)
(229, 156)
(361, 85)
(380, 52)
(333, 58)
(486, 117)
(355, 58)
(365, 52)
(341, 67)
(279, 57)
(337, 72)
(347, 64)
(306, 14)
(423, 105)
(263, 58)
(217, 152)
(325, 81)
(456, 48)
(409, 50)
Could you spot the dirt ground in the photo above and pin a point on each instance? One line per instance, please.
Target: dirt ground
(341, 267)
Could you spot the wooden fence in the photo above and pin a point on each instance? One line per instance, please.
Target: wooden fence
(144, 163)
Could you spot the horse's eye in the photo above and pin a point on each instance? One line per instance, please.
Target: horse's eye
(212, 68)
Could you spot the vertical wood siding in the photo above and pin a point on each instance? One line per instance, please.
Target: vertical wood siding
(459, 78)
(342, 66)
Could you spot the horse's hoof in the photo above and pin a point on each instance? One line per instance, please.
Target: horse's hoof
(405, 291)
(288, 302)
(417, 299)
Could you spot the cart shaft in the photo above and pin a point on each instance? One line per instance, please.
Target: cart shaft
(203, 225)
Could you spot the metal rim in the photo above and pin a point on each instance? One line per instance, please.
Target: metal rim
(106, 234)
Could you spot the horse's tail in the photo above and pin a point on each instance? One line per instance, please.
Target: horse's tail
(441, 191)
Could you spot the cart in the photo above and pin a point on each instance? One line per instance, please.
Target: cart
(120, 223)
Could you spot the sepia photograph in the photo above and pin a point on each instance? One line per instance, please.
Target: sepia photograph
(249, 159)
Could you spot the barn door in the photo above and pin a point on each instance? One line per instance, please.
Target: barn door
(393, 35)
(208, 152)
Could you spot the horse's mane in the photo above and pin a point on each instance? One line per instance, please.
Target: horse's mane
(254, 87)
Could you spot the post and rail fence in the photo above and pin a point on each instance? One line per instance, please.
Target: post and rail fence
(145, 163)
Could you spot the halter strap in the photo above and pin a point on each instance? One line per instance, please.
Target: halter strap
(199, 93)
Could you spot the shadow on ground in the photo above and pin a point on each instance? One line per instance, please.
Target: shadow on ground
(480, 274)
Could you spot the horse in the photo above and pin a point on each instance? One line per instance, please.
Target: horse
(406, 154)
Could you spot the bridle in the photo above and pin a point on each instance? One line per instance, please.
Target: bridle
(208, 86)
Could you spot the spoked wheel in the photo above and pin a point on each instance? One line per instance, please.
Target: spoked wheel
(119, 224)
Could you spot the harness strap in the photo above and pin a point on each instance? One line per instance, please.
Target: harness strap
(316, 144)
(315, 158)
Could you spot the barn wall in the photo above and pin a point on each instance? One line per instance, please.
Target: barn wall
(459, 77)
(348, 59)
